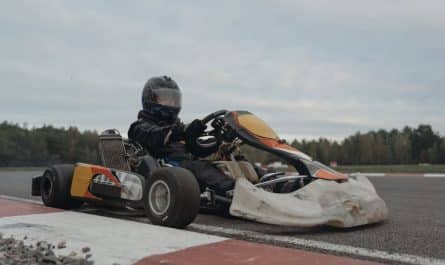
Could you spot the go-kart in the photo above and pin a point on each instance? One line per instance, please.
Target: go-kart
(313, 194)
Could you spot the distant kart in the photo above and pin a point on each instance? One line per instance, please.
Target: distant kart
(130, 178)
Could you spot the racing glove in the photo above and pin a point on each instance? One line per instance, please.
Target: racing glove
(193, 131)
(218, 123)
(195, 128)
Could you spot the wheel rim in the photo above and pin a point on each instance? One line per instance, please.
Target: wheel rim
(47, 187)
(159, 197)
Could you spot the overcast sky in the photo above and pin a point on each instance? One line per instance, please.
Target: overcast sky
(309, 68)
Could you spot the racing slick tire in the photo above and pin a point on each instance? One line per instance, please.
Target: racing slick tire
(55, 187)
(172, 197)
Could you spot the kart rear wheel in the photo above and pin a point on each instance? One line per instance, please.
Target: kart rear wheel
(172, 197)
(55, 187)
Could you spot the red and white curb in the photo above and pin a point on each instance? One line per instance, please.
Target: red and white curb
(391, 257)
(417, 175)
(126, 242)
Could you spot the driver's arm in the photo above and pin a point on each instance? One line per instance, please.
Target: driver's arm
(152, 136)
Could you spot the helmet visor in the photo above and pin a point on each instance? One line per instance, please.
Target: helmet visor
(167, 97)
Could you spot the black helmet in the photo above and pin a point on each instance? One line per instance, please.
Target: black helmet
(161, 98)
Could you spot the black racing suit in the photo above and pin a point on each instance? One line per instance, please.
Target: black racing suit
(162, 140)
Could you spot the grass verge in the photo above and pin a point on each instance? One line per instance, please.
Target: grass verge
(427, 168)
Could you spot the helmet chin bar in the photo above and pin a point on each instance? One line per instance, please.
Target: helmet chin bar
(165, 113)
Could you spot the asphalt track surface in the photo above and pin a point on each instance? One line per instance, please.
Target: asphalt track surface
(416, 225)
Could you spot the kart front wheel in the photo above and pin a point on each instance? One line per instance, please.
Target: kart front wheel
(172, 197)
(55, 187)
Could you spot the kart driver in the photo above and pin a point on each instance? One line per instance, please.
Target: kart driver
(161, 132)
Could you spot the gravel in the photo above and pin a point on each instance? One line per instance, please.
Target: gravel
(86, 249)
(16, 252)
(61, 244)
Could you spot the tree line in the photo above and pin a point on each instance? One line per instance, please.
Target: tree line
(381, 147)
(406, 146)
(21, 146)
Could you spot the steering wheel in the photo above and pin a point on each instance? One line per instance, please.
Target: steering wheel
(212, 137)
(213, 116)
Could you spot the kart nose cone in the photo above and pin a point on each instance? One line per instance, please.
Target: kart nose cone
(322, 202)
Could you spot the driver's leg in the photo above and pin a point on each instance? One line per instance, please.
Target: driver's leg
(209, 176)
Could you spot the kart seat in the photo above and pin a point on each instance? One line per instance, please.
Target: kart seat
(112, 150)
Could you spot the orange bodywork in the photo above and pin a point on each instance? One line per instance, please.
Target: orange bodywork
(83, 175)
(106, 172)
(261, 131)
(264, 134)
(273, 143)
(325, 174)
